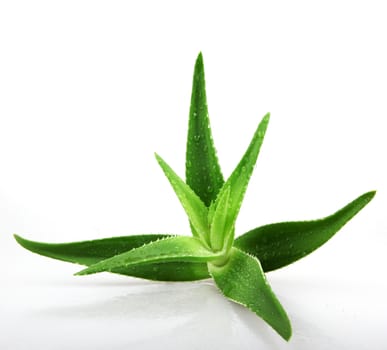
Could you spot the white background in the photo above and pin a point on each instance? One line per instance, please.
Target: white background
(90, 89)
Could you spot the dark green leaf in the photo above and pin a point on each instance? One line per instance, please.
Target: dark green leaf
(242, 280)
(280, 244)
(172, 249)
(90, 252)
(203, 172)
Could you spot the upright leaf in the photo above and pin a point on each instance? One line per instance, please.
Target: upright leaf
(203, 172)
(194, 207)
(281, 244)
(90, 252)
(218, 220)
(239, 179)
(242, 280)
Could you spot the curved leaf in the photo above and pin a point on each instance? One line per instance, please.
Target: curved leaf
(242, 280)
(172, 249)
(192, 204)
(202, 168)
(90, 252)
(280, 244)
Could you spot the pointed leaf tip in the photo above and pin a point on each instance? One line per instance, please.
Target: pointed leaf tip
(91, 252)
(370, 194)
(242, 280)
(265, 120)
(240, 177)
(19, 239)
(280, 244)
(194, 207)
(203, 173)
(199, 59)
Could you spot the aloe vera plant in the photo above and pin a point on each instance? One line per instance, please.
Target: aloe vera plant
(212, 206)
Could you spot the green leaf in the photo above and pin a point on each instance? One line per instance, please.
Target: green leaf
(90, 252)
(239, 179)
(218, 221)
(173, 249)
(242, 280)
(194, 207)
(280, 244)
(211, 212)
(203, 173)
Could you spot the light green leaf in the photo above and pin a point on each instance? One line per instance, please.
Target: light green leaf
(194, 207)
(211, 212)
(218, 221)
(203, 172)
(173, 249)
(242, 280)
(281, 244)
(90, 252)
(239, 179)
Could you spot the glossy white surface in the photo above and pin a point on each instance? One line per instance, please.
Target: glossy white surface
(52, 309)
(90, 89)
